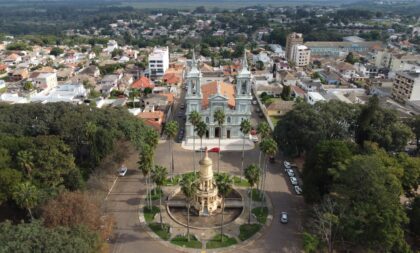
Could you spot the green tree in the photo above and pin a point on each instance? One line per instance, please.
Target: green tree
(201, 130)
(159, 175)
(26, 195)
(285, 93)
(252, 174)
(219, 117)
(9, 178)
(194, 118)
(350, 58)
(56, 51)
(245, 129)
(264, 130)
(415, 126)
(25, 161)
(259, 65)
(188, 187)
(224, 184)
(145, 164)
(269, 148)
(171, 130)
(414, 215)
(28, 86)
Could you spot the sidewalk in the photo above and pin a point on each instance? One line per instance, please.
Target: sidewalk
(225, 144)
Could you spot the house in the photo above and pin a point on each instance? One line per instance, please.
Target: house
(280, 107)
(92, 71)
(154, 119)
(108, 83)
(74, 93)
(287, 78)
(309, 85)
(271, 90)
(172, 79)
(314, 97)
(142, 83)
(44, 80)
(13, 59)
(18, 74)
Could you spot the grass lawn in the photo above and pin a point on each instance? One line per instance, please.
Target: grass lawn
(156, 194)
(248, 230)
(161, 232)
(149, 213)
(256, 195)
(238, 182)
(261, 213)
(182, 241)
(216, 242)
(274, 119)
(176, 179)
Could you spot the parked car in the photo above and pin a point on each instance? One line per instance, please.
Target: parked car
(298, 190)
(293, 180)
(284, 218)
(203, 149)
(290, 172)
(122, 171)
(287, 165)
(215, 150)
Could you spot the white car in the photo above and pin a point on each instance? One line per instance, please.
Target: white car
(290, 172)
(122, 171)
(253, 138)
(293, 180)
(298, 190)
(287, 164)
(284, 218)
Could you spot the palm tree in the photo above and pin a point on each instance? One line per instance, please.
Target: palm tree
(188, 187)
(219, 117)
(25, 161)
(224, 184)
(171, 130)
(269, 148)
(201, 130)
(194, 118)
(252, 174)
(264, 130)
(159, 175)
(245, 129)
(151, 138)
(145, 166)
(26, 195)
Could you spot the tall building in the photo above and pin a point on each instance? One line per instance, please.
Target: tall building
(406, 86)
(292, 39)
(301, 55)
(158, 61)
(207, 98)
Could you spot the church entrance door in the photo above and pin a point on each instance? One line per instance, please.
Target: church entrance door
(217, 132)
(228, 133)
(207, 134)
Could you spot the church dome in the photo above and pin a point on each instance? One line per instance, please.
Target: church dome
(206, 170)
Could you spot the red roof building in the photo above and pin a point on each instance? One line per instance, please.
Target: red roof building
(142, 83)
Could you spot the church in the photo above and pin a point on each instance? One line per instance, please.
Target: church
(207, 98)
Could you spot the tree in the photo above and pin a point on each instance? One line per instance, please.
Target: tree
(56, 51)
(350, 58)
(171, 130)
(285, 93)
(159, 175)
(259, 65)
(201, 130)
(194, 118)
(415, 126)
(269, 148)
(324, 161)
(28, 86)
(411, 167)
(26, 195)
(25, 161)
(264, 131)
(219, 117)
(252, 174)
(145, 165)
(9, 178)
(224, 184)
(245, 129)
(188, 187)
(414, 215)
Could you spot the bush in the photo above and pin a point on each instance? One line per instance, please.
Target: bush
(216, 242)
(161, 230)
(149, 213)
(256, 195)
(156, 194)
(182, 241)
(248, 230)
(261, 213)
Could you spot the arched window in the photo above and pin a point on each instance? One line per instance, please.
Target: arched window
(243, 88)
(207, 120)
(228, 120)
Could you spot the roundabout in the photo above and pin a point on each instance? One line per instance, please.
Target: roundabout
(203, 217)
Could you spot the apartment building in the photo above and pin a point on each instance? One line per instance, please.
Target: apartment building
(292, 39)
(301, 55)
(406, 86)
(158, 61)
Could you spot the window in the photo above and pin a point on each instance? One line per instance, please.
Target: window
(207, 120)
(228, 120)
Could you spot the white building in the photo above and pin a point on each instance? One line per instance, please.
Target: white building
(207, 98)
(406, 86)
(111, 46)
(158, 61)
(301, 55)
(44, 80)
(62, 93)
(313, 97)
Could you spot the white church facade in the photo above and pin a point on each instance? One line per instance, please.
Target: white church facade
(206, 98)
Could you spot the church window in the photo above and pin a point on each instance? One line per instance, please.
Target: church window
(228, 120)
(243, 89)
(207, 120)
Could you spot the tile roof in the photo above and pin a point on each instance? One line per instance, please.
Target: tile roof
(171, 78)
(210, 89)
(142, 82)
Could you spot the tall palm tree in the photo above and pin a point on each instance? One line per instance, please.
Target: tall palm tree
(264, 131)
(252, 174)
(151, 138)
(219, 117)
(224, 184)
(171, 130)
(188, 187)
(145, 166)
(25, 161)
(245, 129)
(194, 118)
(269, 148)
(201, 130)
(26, 195)
(159, 175)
